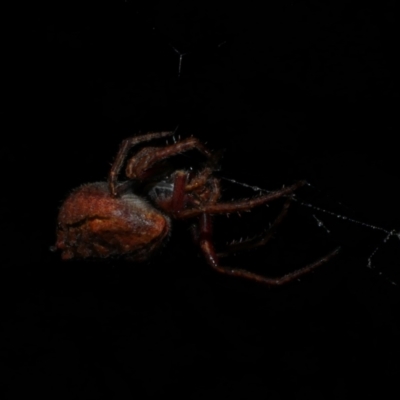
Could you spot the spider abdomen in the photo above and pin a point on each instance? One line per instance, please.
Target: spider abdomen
(92, 223)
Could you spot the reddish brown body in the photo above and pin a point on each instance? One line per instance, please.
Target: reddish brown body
(92, 223)
(112, 218)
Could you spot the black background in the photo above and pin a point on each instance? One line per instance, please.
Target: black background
(299, 90)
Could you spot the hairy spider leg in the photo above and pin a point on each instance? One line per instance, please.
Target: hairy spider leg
(215, 189)
(201, 178)
(239, 205)
(180, 198)
(259, 240)
(207, 247)
(126, 145)
(140, 165)
(153, 156)
(178, 195)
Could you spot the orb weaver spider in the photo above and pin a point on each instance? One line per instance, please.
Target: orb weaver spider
(133, 218)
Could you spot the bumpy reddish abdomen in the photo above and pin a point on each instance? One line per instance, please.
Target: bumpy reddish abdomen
(92, 223)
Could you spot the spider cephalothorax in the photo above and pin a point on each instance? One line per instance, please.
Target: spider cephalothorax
(133, 218)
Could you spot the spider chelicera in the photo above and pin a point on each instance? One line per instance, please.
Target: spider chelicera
(132, 218)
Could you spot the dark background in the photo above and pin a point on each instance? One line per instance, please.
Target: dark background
(299, 91)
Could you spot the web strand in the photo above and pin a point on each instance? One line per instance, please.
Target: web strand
(389, 234)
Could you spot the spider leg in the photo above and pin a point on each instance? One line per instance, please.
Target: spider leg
(209, 193)
(207, 247)
(126, 145)
(140, 166)
(259, 240)
(201, 178)
(179, 198)
(178, 195)
(239, 205)
(215, 193)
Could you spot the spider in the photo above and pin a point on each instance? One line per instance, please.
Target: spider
(132, 218)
